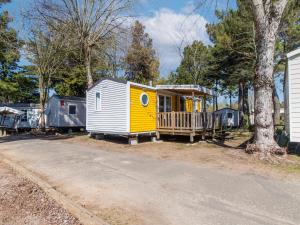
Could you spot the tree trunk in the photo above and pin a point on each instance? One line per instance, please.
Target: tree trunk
(263, 92)
(216, 90)
(246, 104)
(267, 16)
(88, 58)
(241, 104)
(43, 99)
(276, 102)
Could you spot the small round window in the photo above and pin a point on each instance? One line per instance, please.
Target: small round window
(144, 99)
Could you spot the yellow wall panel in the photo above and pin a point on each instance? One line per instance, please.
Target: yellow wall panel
(188, 105)
(199, 106)
(174, 103)
(142, 118)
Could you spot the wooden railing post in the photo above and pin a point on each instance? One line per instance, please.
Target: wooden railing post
(173, 121)
(213, 124)
(193, 121)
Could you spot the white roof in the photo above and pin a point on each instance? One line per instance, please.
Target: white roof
(11, 111)
(141, 85)
(293, 53)
(187, 87)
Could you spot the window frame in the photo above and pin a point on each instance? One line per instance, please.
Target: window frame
(98, 108)
(24, 115)
(165, 102)
(75, 110)
(141, 99)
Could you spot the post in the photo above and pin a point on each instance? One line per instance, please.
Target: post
(214, 117)
(157, 135)
(214, 103)
(193, 113)
(173, 121)
(192, 138)
(205, 117)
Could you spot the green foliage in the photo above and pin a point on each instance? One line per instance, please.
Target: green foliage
(15, 86)
(195, 65)
(288, 35)
(71, 80)
(234, 46)
(141, 63)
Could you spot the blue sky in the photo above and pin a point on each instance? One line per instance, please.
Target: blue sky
(172, 24)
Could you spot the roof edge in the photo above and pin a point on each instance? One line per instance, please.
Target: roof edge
(71, 98)
(142, 85)
(199, 88)
(106, 78)
(293, 53)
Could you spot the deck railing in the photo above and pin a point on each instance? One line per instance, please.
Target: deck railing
(185, 121)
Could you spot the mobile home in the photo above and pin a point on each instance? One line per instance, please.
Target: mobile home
(228, 117)
(132, 109)
(28, 120)
(65, 112)
(292, 96)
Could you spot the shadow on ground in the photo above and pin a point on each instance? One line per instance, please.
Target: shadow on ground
(12, 138)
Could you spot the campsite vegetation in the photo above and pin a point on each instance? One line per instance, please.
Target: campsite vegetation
(70, 44)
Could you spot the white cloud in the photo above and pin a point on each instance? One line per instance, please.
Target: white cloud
(172, 31)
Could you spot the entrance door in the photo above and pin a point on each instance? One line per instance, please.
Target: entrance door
(165, 103)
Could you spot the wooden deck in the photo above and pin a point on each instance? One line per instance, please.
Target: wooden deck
(186, 123)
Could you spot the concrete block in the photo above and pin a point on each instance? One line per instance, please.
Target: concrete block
(133, 140)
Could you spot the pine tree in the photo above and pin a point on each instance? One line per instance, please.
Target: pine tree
(234, 52)
(195, 65)
(141, 63)
(15, 84)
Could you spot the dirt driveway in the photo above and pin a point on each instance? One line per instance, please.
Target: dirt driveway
(123, 187)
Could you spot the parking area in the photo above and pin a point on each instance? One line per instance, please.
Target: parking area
(123, 187)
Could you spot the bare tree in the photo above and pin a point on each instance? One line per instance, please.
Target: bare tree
(92, 22)
(44, 52)
(267, 16)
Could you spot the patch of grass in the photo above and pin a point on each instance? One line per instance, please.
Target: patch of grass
(294, 158)
(291, 168)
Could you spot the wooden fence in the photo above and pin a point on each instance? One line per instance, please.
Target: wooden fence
(187, 121)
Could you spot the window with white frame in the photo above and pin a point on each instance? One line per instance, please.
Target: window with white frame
(144, 99)
(98, 101)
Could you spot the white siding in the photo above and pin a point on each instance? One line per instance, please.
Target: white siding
(33, 115)
(52, 119)
(58, 116)
(76, 120)
(293, 98)
(234, 121)
(113, 116)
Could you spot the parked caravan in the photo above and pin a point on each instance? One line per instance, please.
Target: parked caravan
(120, 107)
(132, 109)
(292, 96)
(65, 112)
(28, 120)
(228, 117)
